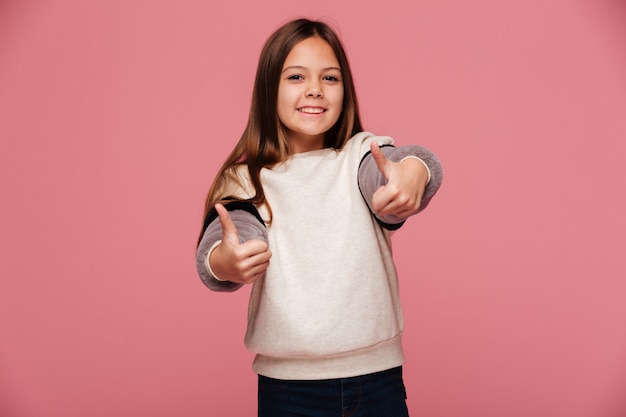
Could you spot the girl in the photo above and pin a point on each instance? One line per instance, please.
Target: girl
(303, 209)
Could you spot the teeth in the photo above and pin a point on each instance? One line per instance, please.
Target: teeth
(311, 110)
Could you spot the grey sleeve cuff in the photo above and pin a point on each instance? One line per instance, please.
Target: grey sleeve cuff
(249, 227)
(371, 179)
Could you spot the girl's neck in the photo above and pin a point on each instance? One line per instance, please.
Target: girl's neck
(305, 144)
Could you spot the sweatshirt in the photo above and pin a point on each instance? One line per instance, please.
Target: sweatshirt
(328, 305)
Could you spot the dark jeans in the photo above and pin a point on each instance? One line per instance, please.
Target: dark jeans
(380, 394)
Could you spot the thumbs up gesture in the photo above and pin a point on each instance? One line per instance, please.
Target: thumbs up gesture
(234, 261)
(402, 195)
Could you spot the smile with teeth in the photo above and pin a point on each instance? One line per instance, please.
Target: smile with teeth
(311, 110)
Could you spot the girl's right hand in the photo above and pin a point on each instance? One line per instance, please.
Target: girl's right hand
(234, 261)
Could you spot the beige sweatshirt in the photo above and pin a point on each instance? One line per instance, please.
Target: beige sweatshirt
(328, 306)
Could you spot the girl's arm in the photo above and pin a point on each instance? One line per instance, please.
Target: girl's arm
(233, 250)
(398, 182)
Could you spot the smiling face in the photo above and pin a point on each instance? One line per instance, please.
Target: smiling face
(310, 94)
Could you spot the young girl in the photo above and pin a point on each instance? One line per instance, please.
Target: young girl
(303, 209)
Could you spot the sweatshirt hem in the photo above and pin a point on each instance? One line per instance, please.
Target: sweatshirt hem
(380, 357)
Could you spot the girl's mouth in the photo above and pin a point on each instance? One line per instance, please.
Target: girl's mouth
(311, 110)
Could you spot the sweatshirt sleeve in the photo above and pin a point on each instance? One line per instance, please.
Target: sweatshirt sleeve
(371, 179)
(250, 226)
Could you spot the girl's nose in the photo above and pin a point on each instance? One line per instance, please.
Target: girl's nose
(314, 90)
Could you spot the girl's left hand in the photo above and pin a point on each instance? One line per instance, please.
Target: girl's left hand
(406, 181)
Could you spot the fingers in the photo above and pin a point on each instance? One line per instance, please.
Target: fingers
(402, 195)
(229, 231)
(381, 160)
(255, 251)
(234, 261)
(391, 200)
(258, 261)
(241, 263)
(250, 261)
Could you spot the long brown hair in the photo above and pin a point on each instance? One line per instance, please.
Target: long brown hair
(264, 142)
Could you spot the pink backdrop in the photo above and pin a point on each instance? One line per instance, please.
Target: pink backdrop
(114, 116)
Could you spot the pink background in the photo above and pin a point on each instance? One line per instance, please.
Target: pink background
(114, 116)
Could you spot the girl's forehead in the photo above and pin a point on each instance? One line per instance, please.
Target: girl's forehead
(313, 51)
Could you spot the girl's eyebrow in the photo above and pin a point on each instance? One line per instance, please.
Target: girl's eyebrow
(301, 68)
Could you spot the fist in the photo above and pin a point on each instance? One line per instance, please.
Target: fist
(234, 261)
(402, 195)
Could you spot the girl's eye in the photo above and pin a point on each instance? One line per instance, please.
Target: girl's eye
(295, 77)
(331, 78)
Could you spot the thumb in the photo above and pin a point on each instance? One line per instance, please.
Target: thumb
(381, 160)
(229, 231)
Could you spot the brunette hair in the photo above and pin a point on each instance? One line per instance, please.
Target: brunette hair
(264, 142)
